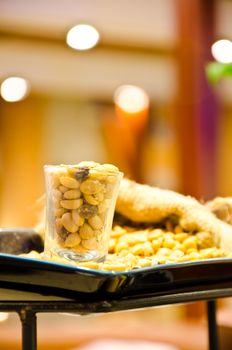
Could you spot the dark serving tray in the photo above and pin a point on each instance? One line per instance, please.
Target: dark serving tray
(87, 285)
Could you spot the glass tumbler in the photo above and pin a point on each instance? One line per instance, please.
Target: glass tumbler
(80, 204)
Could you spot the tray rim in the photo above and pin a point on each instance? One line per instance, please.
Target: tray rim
(82, 269)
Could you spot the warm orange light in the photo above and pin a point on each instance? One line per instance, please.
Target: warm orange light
(14, 89)
(82, 37)
(4, 316)
(222, 51)
(131, 99)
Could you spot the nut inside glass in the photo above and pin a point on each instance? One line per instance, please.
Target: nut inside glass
(80, 205)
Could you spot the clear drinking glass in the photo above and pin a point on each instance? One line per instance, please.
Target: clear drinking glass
(80, 204)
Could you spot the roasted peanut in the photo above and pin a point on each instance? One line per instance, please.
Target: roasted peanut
(180, 237)
(91, 186)
(94, 199)
(63, 188)
(72, 240)
(59, 212)
(69, 182)
(71, 203)
(157, 243)
(190, 242)
(121, 246)
(90, 243)
(68, 222)
(86, 231)
(113, 267)
(72, 194)
(95, 222)
(78, 220)
(103, 206)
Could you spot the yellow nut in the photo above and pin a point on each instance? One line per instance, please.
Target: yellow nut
(95, 222)
(164, 251)
(157, 243)
(72, 194)
(117, 231)
(168, 235)
(55, 180)
(56, 203)
(72, 240)
(56, 194)
(69, 182)
(59, 212)
(137, 249)
(79, 220)
(86, 231)
(121, 246)
(91, 186)
(114, 267)
(90, 243)
(130, 259)
(147, 249)
(63, 188)
(135, 238)
(154, 234)
(109, 168)
(95, 198)
(68, 222)
(71, 203)
(183, 258)
(191, 250)
(180, 237)
(169, 243)
(108, 192)
(194, 256)
(190, 242)
(58, 225)
(103, 206)
(177, 254)
(143, 262)
(89, 264)
(207, 253)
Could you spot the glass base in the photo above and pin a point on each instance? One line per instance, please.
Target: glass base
(80, 257)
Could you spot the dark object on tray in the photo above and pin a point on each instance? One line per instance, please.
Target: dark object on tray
(19, 241)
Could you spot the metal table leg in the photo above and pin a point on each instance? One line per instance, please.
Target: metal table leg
(212, 325)
(29, 332)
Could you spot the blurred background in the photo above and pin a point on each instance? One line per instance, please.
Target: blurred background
(121, 82)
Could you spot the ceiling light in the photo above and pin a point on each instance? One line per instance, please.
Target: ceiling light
(131, 99)
(222, 51)
(14, 89)
(82, 37)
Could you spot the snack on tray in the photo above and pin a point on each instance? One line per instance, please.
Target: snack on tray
(154, 226)
(146, 204)
(80, 204)
(132, 247)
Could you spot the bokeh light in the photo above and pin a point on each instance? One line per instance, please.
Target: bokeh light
(222, 51)
(131, 99)
(14, 89)
(82, 37)
(4, 316)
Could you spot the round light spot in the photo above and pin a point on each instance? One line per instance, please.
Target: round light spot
(82, 37)
(222, 51)
(131, 99)
(4, 316)
(14, 89)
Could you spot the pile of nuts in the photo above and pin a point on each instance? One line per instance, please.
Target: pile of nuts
(132, 248)
(81, 197)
